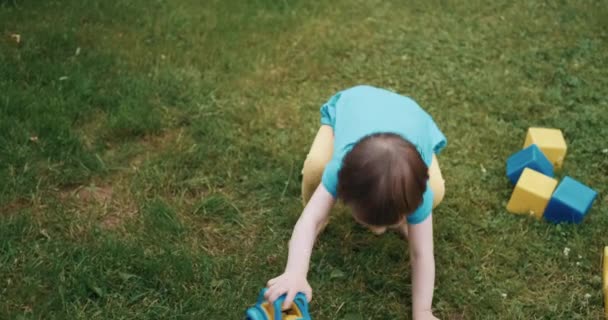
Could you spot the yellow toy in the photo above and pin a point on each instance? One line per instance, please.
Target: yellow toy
(531, 194)
(550, 141)
(606, 281)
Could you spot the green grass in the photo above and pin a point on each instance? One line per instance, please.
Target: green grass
(150, 153)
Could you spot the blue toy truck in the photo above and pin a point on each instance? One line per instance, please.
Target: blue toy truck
(264, 310)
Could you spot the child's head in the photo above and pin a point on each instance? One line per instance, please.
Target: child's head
(382, 179)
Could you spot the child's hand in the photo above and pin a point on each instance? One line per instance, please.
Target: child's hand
(290, 284)
(424, 315)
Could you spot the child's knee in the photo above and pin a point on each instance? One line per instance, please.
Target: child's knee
(313, 169)
(436, 182)
(312, 172)
(438, 187)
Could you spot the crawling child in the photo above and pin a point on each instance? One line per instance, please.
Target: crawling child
(376, 152)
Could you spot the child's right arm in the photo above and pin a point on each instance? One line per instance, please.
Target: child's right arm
(310, 223)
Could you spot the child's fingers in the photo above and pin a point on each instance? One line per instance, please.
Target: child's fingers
(272, 285)
(268, 292)
(291, 294)
(308, 294)
(271, 282)
(276, 293)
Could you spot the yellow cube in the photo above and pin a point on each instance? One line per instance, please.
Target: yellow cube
(605, 268)
(606, 281)
(532, 193)
(550, 141)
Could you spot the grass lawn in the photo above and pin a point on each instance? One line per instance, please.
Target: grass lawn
(150, 153)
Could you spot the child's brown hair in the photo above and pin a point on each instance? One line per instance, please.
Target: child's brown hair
(383, 179)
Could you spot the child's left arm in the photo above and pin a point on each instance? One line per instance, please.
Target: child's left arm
(422, 259)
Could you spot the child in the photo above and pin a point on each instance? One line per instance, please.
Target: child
(375, 151)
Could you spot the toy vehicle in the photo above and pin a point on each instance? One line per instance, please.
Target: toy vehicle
(264, 310)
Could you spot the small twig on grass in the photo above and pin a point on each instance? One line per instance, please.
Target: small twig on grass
(339, 308)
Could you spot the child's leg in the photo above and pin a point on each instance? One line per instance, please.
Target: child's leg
(319, 155)
(436, 182)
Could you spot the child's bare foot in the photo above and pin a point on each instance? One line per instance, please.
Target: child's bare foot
(377, 230)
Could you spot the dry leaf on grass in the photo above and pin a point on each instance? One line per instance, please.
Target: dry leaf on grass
(15, 37)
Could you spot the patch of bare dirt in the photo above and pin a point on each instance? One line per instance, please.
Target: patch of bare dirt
(111, 206)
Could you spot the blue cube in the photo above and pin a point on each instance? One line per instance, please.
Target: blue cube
(530, 157)
(570, 202)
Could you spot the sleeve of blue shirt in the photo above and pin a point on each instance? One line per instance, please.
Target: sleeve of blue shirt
(328, 111)
(330, 177)
(424, 211)
(437, 138)
(330, 174)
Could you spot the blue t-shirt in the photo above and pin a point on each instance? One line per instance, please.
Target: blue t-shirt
(363, 110)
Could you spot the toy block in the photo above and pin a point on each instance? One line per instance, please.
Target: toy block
(550, 141)
(570, 202)
(531, 194)
(605, 280)
(531, 157)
